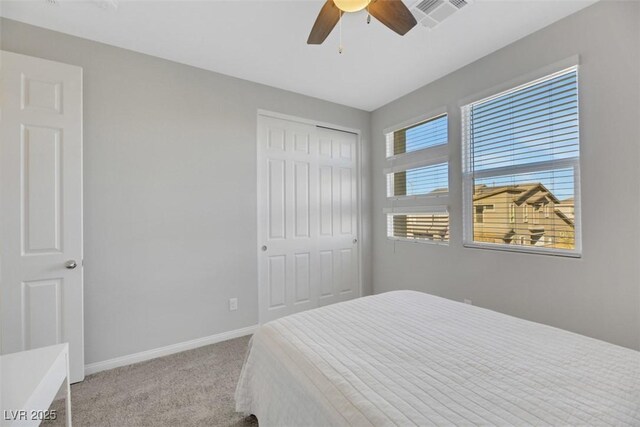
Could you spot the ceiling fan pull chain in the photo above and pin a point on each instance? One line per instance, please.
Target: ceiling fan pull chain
(368, 15)
(340, 28)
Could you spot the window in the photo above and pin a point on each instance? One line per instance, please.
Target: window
(428, 133)
(480, 212)
(521, 153)
(418, 179)
(432, 226)
(537, 214)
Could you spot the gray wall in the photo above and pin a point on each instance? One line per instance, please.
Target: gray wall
(170, 191)
(598, 295)
(168, 238)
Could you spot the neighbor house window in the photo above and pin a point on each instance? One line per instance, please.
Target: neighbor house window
(521, 152)
(512, 213)
(418, 179)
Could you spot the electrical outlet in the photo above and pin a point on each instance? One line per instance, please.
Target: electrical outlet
(233, 304)
(468, 301)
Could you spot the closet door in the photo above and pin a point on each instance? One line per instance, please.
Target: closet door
(307, 217)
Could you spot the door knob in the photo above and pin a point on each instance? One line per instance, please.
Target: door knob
(355, 241)
(264, 248)
(71, 264)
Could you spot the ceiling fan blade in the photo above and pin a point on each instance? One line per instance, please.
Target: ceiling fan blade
(394, 14)
(327, 19)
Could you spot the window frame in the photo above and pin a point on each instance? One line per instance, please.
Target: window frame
(431, 115)
(432, 161)
(418, 210)
(429, 156)
(418, 204)
(469, 176)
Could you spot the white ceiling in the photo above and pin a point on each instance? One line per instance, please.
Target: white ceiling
(265, 41)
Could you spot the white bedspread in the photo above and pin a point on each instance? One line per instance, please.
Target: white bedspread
(409, 358)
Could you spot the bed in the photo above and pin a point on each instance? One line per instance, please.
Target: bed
(409, 358)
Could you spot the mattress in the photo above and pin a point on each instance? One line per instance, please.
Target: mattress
(409, 358)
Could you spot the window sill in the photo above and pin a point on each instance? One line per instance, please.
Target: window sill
(525, 250)
(419, 197)
(419, 241)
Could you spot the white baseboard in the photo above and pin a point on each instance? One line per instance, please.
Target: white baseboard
(92, 368)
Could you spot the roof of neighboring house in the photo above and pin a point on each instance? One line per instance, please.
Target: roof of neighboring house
(525, 191)
(568, 201)
(542, 198)
(564, 217)
(439, 190)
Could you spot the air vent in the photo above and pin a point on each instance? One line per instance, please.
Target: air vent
(428, 6)
(458, 3)
(430, 13)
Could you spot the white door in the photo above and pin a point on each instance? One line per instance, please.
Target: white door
(307, 217)
(41, 206)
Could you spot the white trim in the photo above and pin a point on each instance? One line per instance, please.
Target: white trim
(432, 115)
(417, 210)
(468, 176)
(527, 85)
(407, 156)
(419, 241)
(116, 362)
(425, 157)
(542, 166)
(422, 198)
(427, 210)
(288, 117)
(530, 250)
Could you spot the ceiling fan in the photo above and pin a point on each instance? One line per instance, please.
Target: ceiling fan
(392, 13)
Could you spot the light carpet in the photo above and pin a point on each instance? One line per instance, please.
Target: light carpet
(192, 388)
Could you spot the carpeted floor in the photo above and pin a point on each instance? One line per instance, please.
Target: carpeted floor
(193, 388)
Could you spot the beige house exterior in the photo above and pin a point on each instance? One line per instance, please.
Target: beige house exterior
(422, 226)
(526, 214)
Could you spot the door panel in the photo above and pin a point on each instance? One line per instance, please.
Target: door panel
(346, 201)
(301, 201)
(41, 206)
(326, 274)
(276, 198)
(42, 312)
(302, 277)
(41, 201)
(277, 272)
(307, 210)
(326, 201)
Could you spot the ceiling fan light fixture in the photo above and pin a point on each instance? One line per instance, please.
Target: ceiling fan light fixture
(351, 5)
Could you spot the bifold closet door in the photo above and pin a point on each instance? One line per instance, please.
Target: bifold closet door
(307, 217)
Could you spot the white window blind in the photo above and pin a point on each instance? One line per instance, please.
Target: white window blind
(433, 226)
(428, 133)
(417, 176)
(419, 181)
(521, 156)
